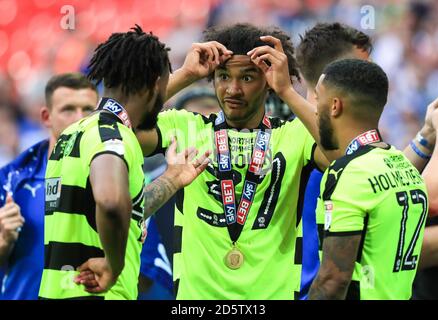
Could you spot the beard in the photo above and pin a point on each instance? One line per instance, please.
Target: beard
(326, 132)
(149, 119)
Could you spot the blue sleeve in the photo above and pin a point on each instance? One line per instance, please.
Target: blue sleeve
(154, 261)
(3, 179)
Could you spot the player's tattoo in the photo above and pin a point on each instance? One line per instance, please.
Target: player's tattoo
(334, 275)
(158, 193)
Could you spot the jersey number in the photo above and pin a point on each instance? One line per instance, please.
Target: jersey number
(408, 261)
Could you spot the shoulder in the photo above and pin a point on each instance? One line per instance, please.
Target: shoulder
(27, 157)
(347, 171)
(185, 115)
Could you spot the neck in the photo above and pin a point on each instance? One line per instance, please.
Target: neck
(52, 142)
(251, 123)
(348, 132)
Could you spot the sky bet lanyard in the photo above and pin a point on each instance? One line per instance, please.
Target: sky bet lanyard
(236, 218)
(370, 136)
(115, 108)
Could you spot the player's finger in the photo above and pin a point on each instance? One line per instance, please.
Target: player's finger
(203, 164)
(216, 54)
(222, 49)
(269, 57)
(10, 210)
(208, 52)
(274, 41)
(258, 52)
(96, 289)
(173, 144)
(85, 266)
(9, 198)
(12, 226)
(192, 154)
(261, 64)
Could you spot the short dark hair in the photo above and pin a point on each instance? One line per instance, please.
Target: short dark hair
(325, 43)
(74, 80)
(365, 82)
(132, 61)
(243, 37)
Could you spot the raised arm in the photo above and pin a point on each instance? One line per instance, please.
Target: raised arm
(278, 78)
(420, 148)
(201, 60)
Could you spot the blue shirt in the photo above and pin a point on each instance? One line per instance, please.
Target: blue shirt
(22, 274)
(25, 175)
(310, 263)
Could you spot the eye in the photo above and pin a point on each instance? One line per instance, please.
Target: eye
(247, 78)
(87, 110)
(223, 76)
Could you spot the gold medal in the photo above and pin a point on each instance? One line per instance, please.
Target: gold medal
(234, 258)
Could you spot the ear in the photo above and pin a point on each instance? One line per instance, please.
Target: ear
(337, 107)
(45, 117)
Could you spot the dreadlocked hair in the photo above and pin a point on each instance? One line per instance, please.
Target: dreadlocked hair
(132, 61)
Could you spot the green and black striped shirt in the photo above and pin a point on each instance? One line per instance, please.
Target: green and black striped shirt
(71, 236)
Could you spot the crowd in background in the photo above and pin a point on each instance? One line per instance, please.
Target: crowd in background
(35, 43)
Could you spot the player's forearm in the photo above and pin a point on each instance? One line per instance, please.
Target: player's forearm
(303, 109)
(159, 191)
(113, 226)
(178, 80)
(306, 112)
(326, 288)
(416, 158)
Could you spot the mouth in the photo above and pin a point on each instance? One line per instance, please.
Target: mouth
(234, 103)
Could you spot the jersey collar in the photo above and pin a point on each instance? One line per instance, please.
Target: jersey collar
(112, 106)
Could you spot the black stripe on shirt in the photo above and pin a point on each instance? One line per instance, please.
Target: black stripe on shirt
(108, 127)
(177, 239)
(64, 256)
(61, 144)
(338, 168)
(76, 298)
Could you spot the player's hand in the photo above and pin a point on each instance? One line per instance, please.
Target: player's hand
(204, 57)
(430, 126)
(430, 120)
(277, 72)
(96, 275)
(183, 167)
(11, 221)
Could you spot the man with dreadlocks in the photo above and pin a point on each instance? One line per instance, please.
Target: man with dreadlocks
(94, 179)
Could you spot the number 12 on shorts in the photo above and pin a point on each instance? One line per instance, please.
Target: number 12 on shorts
(408, 261)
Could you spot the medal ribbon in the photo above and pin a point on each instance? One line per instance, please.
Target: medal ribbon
(236, 218)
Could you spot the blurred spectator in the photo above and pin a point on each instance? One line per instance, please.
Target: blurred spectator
(9, 139)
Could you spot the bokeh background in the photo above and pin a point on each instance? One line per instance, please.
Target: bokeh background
(34, 46)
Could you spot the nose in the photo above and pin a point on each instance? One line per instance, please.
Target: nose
(79, 114)
(234, 89)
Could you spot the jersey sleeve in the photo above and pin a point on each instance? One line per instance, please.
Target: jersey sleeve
(344, 201)
(308, 144)
(3, 182)
(107, 141)
(172, 123)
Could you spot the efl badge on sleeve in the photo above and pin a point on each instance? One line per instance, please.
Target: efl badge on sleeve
(328, 209)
